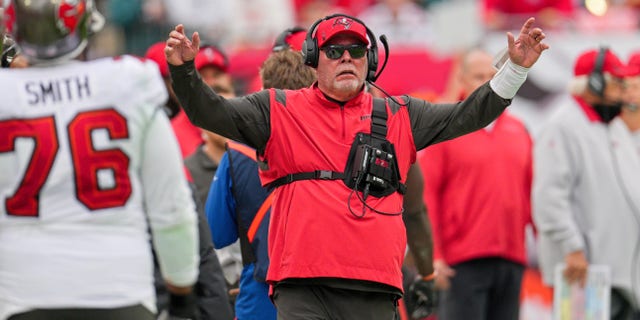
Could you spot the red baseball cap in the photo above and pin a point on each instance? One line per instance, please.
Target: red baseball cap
(155, 53)
(586, 62)
(291, 38)
(210, 56)
(328, 29)
(634, 65)
(296, 39)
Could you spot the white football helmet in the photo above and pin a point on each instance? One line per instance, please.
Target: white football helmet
(52, 30)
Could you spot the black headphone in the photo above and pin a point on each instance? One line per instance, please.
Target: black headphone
(596, 82)
(311, 52)
(281, 41)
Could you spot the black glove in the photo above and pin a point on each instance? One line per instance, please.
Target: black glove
(183, 306)
(423, 294)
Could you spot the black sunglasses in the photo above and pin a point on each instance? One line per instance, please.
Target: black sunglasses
(335, 52)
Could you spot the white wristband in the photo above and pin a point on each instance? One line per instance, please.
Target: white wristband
(508, 80)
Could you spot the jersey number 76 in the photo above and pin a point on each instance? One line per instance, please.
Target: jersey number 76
(87, 161)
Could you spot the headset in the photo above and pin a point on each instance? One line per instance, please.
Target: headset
(311, 52)
(596, 81)
(281, 41)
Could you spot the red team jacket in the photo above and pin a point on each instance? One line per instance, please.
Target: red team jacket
(322, 238)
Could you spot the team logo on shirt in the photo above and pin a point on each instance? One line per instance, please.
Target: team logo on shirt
(9, 18)
(70, 14)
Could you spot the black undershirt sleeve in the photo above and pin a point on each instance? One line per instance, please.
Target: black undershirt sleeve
(244, 119)
(433, 123)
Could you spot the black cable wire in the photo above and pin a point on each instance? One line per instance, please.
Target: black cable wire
(384, 213)
(363, 199)
(404, 104)
(383, 40)
(354, 190)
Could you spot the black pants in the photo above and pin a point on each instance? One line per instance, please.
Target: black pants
(621, 307)
(137, 312)
(483, 289)
(317, 302)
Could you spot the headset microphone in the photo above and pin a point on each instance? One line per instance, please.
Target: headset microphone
(385, 44)
(383, 40)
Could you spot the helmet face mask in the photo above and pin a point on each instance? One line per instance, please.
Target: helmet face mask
(51, 30)
(9, 50)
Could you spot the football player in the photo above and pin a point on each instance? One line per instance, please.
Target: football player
(90, 164)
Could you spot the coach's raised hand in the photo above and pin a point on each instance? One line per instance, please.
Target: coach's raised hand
(180, 48)
(527, 48)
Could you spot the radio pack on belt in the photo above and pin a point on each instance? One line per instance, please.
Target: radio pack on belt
(372, 167)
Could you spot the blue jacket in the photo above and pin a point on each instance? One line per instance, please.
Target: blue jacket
(239, 207)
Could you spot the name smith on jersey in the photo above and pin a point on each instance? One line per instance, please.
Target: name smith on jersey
(58, 90)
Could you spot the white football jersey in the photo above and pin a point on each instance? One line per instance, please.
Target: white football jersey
(87, 157)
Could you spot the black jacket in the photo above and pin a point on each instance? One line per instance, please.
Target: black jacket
(211, 288)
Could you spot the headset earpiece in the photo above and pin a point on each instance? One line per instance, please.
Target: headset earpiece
(311, 52)
(372, 67)
(596, 82)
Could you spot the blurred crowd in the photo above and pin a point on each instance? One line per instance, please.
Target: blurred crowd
(423, 32)
(238, 25)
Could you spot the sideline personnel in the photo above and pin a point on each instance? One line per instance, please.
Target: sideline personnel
(339, 163)
(585, 188)
(478, 191)
(238, 207)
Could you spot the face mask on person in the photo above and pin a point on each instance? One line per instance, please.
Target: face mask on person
(607, 111)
